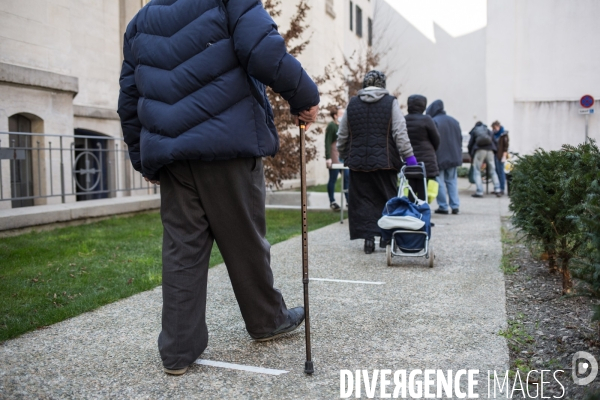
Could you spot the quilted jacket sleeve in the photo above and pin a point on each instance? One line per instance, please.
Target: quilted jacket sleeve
(128, 102)
(261, 51)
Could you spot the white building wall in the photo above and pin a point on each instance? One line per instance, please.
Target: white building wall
(548, 49)
(450, 68)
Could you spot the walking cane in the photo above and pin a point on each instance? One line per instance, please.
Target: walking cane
(308, 365)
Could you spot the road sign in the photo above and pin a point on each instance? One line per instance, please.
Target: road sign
(587, 101)
(586, 111)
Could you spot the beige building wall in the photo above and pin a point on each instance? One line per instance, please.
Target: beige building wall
(60, 62)
(331, 39)
(59, 66)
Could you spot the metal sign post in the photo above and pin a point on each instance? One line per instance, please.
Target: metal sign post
(587, 102)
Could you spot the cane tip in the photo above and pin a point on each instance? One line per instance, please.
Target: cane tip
(309, 368)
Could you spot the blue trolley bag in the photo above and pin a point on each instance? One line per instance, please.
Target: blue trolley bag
(403, 207)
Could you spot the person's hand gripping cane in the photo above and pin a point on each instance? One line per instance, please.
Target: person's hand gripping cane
(308, 116)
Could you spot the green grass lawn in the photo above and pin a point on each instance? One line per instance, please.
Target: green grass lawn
(47, 277)
(323, 188)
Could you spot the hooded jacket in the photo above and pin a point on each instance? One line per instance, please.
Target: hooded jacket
(397, 124)
(193, 82)
(449, 153)
(423, 134)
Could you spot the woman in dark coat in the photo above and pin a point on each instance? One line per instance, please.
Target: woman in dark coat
(424, 139)
(373, 142)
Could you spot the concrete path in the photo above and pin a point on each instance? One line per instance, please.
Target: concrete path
(447, 317)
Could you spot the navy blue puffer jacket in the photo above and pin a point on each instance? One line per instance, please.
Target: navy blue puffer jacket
(193, 82)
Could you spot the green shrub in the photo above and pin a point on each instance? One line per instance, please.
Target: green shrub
(535, 198)
(462, 172)
(549, 190)
(587, 265)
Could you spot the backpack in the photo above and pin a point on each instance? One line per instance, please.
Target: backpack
(482, 136)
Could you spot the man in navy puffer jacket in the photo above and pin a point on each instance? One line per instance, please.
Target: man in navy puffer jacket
(197, 120)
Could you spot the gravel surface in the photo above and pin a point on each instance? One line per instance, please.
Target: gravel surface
(447, 317)
(547, 328)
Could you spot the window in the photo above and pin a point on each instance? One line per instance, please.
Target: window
(21, 169)
(329, 8)
(370, 32)
(351, 15)
(358, 21)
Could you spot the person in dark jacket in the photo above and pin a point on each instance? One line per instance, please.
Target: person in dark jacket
(372, 140)
(449, 157)
(501, 139)
(482, 149)
(332, 157)
(424, 139)
(196, 119)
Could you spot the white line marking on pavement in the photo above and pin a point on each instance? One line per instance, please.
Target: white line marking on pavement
(344, 281)
(248, 368)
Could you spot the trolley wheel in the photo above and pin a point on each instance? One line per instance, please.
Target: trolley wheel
(388, 252)
(431, 257)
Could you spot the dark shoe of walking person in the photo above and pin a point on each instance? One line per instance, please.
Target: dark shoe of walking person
(440, 211)
(334, 206)
(176, 371)
(369, 246)
(294, 320)
(477, 195)
(383, 243)
(455, 211)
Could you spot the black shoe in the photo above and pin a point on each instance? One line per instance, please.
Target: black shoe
(440, 211)
(432, 224)
(294, 320)
(477, 195)
(455, 211)
(334, 206)
(383, 243)
(369, 246)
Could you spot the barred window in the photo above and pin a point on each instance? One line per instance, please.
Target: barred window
(359, 31)
(351, 15)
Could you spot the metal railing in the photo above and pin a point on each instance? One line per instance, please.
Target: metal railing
(35, 168)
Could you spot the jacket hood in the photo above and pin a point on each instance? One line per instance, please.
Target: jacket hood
(416, 104)
(372, 94)
(435, 108)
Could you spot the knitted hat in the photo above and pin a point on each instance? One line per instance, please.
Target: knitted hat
(374, 78)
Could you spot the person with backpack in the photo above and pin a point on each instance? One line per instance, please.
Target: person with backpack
(197, 120)
(482, 150)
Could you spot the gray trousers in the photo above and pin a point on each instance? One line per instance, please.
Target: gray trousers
(202, 202)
